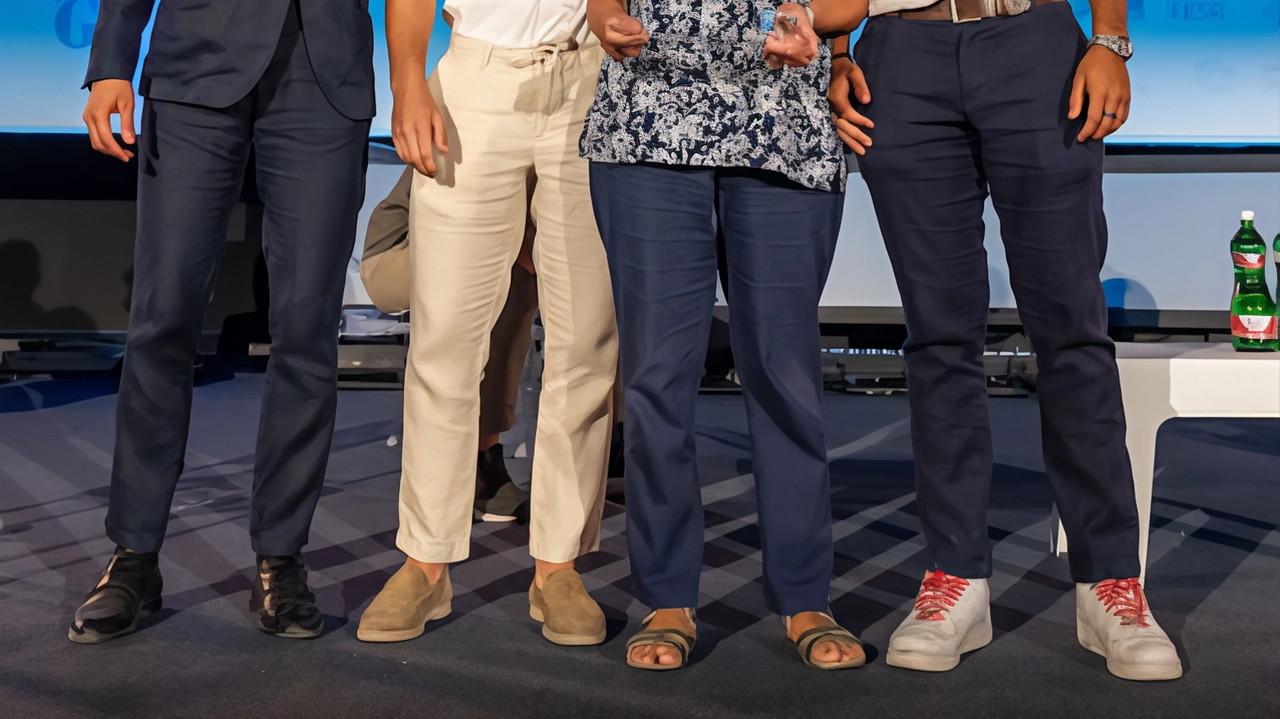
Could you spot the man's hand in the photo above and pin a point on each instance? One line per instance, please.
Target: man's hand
(1102, 77)
(417, 125)
(623, 36)
(848, 81)
(107, 98)
(792, 47)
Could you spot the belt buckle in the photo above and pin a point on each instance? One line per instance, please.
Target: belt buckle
(955, 15)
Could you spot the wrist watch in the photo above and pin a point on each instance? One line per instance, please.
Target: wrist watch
(1119, 44)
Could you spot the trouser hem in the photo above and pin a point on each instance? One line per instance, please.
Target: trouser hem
(141, 542)
(433, 552)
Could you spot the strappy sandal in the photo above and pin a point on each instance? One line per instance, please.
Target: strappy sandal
(662, 637)
(830, 632)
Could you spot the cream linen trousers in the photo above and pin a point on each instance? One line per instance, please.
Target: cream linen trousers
(508, 113)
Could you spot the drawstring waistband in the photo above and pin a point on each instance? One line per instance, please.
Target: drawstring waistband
(487, 52)
(541, 55)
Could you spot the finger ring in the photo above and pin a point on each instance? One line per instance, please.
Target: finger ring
(1110, 115)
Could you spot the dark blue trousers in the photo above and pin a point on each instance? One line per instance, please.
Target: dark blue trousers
(962, 110)
(310, 174)
(659, 227)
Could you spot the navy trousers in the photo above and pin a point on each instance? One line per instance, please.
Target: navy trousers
(962, 110)
(659, 226)
(310, 174)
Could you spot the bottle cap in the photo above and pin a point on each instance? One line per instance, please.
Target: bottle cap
(1246, 216)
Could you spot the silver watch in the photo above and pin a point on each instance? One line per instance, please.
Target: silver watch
(1119, 44)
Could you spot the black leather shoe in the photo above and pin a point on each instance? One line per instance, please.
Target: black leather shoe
(130, 588)
(284, 603)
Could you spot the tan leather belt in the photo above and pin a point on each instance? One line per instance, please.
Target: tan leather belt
(968, 10)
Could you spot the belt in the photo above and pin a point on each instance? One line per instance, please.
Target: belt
(969, 10)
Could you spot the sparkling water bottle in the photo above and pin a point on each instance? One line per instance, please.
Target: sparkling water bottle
(1253, 312)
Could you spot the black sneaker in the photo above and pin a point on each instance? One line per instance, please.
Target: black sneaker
(130, 588)
(498, 499)
(285, 606)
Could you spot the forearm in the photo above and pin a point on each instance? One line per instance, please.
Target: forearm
(838, 17)
(117, 39)
(841, 45)
(599, 11)
(409, 24)
(1110, 17)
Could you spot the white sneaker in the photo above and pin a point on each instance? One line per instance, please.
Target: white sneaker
(1112, 619)
(951, 616)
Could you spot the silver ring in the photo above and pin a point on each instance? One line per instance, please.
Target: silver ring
(1110, 115)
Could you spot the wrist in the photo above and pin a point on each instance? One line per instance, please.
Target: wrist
(407, 76)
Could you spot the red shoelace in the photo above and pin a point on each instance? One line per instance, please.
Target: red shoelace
(1125, 597)
(938, 593)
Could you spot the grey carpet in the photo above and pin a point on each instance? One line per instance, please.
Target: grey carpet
(1213, 582)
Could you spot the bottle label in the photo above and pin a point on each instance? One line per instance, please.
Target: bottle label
(1254, 327)
(1249, 260)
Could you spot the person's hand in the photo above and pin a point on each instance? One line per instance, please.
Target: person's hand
(793, 46)
(623, 36)
(417, 125)
(847, 81)
(107, 98)
(1102, 77)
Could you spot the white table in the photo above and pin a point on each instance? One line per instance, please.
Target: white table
(1160, 381)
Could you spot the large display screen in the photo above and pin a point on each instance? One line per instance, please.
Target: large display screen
(1204, 72)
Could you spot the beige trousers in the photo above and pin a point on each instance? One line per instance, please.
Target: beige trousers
(507, 112)
(384, 268)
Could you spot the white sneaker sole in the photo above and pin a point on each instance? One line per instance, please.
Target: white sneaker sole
(1125, 670)
(487, 517)
(978, 637)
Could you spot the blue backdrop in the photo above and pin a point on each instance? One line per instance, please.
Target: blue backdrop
(1204, 72)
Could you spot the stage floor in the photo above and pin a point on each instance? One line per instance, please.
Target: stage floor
(1214, 579)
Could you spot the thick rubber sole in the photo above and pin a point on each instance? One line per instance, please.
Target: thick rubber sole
(293, 632)
(978, 637)
(403, 635)
(567, 640)
(84, 637)
(1132, 672)
(496, 518)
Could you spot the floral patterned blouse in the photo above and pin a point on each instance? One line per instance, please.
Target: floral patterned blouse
(701, 94)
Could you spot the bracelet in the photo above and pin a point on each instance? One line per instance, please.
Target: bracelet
(838, 55)
(808, 11)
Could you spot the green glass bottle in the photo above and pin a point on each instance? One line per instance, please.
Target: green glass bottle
(1253, 312)
(1275, 257)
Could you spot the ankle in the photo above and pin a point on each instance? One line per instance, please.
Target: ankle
(677, 618)
(544, 569)
(433, 570)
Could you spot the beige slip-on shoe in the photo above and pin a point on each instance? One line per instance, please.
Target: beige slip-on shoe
(568, 614)
(405, 605)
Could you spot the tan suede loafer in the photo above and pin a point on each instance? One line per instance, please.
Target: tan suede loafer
(568, 614)
(405, 605)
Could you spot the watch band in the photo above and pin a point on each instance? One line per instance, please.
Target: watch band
(1119, 44)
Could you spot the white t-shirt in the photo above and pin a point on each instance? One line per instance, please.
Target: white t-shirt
(520, 23)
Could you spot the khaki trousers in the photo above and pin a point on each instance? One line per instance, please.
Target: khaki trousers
(384, 269)
(507, 112)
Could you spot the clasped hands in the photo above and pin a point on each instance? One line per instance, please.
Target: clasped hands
(790, 44)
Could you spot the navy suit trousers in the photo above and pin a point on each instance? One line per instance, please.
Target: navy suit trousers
(310, 173)
(659, 226)
(962, 110)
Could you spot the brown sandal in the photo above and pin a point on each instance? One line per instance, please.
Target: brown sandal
(830, 632)
(662, 637)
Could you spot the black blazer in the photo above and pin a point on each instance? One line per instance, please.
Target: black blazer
(212, 52)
